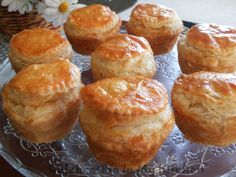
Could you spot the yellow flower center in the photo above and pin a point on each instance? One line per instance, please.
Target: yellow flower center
(63, 7)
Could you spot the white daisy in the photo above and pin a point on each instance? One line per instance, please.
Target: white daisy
(26, 7)
(22, 6)
(57, 11)
(41, 6)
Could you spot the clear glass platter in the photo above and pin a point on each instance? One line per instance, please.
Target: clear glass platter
(71, 157)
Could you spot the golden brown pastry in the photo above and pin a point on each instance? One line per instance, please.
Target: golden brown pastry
(125, 120)
(160, 25)
(205, 107)
(123, 55)
(208, 47)
(38, 45)
(42, 101)
(87, 27)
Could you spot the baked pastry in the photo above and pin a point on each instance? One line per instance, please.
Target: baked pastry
(42, 101)
(123, 55)
(208, 47)
(160, 25)
(87, 27)
(38, 45)
(204, 105)
(125, 120)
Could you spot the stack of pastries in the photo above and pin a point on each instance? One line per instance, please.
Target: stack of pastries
(125, 114)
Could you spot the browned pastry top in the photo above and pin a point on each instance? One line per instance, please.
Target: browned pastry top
(212, 36)
(122, 46)
(208, 85)
(37, 41)
(45, 79)
(95, 15)
(152, 12)
(126, 96)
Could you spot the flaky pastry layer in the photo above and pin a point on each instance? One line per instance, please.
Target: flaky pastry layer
(126, 145)
(123, 55)
(204, 104)
(208, 47)
(42, 101)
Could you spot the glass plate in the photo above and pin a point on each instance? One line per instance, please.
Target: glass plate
(71, 157)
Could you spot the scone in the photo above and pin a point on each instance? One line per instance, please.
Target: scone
(42, 101)
(160, 25)
(208, 47)
(35, 46)
(125, 120)
(205, 107)
(87, 27)
(123, 55)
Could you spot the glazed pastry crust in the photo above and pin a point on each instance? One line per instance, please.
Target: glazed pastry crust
(208, 47)
(82, 24)
(123, 55)
(130, 145)
(204, 107)
(85, 32)
(42, 101)
(212, 37)
(35, 46)
(158, 24)
(127, 96)
(125, 120)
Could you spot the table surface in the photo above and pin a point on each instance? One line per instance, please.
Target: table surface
(201, 11)
(7, 170)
